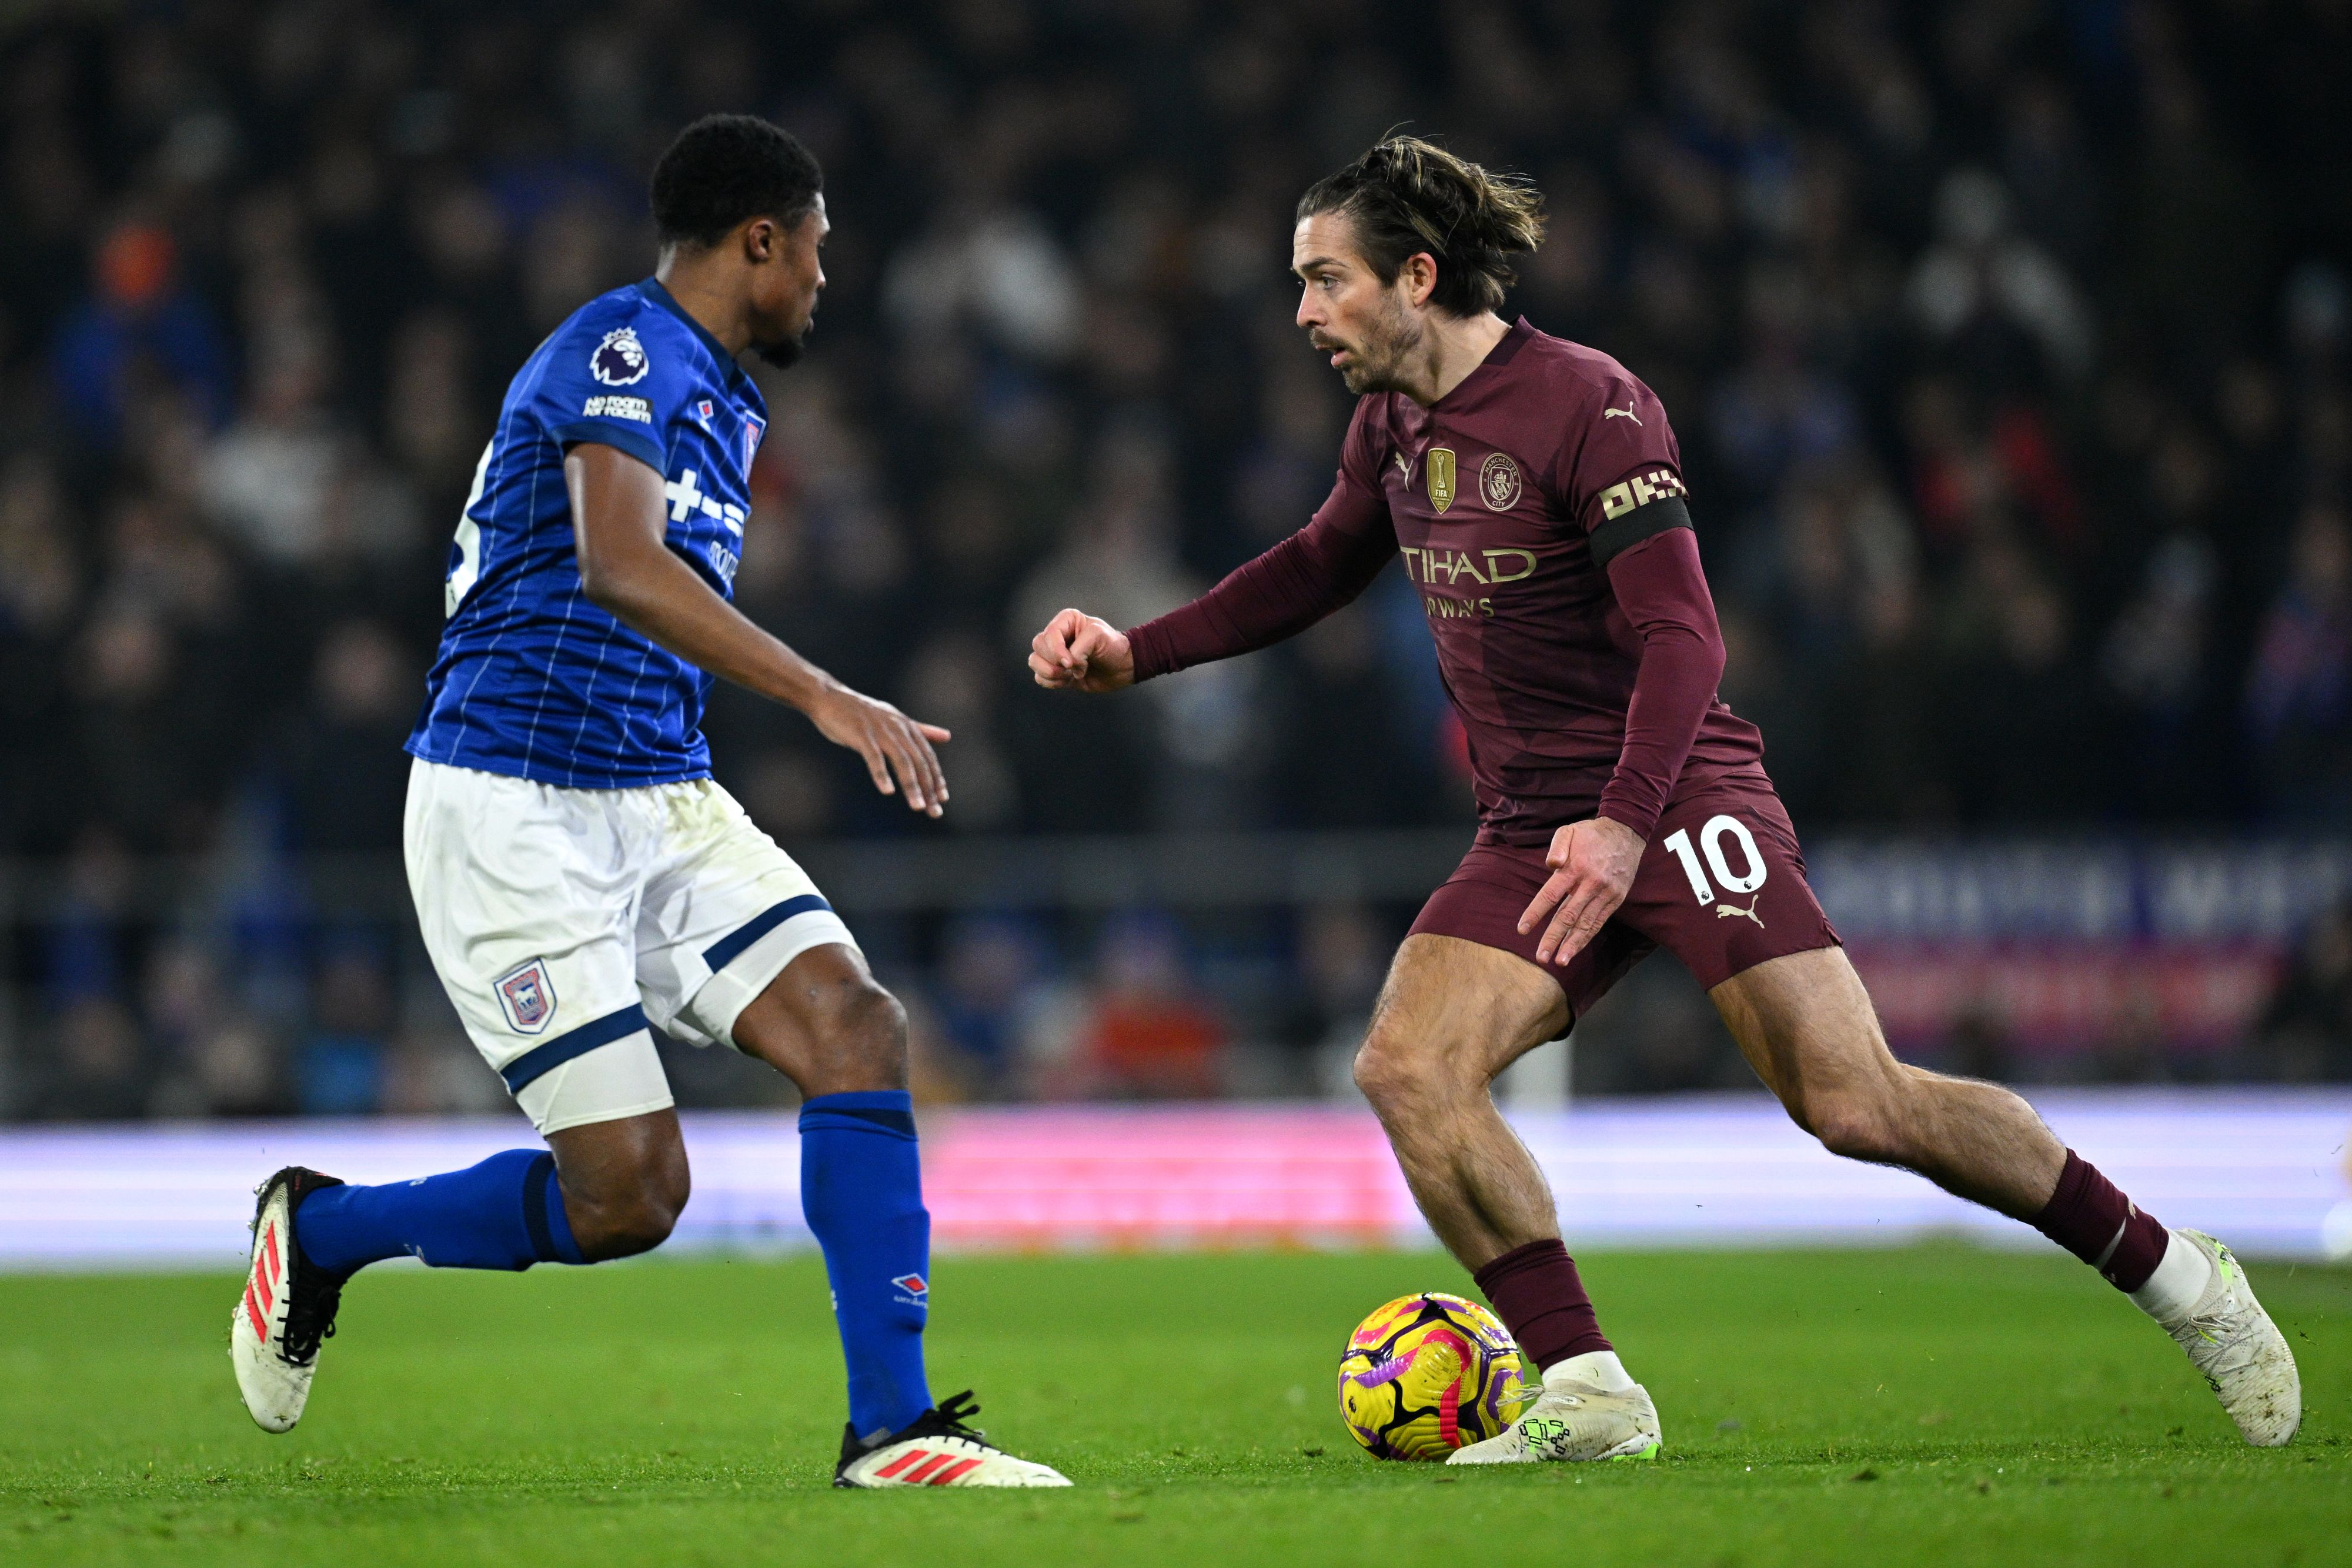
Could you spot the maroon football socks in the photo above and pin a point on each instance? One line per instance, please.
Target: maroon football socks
(2092, 1218)
(1536, 1292)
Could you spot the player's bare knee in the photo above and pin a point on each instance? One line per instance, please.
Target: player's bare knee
(635, 1216)
(861, 1033)
(1400, 1078)
(626, 1200)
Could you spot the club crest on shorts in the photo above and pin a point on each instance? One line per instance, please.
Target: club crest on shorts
(1438, 468)
(620, 360)
(1498, 482)
(527, 997)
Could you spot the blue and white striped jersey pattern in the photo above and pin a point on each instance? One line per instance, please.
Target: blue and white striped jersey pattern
(532, 679)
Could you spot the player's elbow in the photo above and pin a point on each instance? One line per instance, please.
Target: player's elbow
(1694, 649)
(600, 582)
(611, 583)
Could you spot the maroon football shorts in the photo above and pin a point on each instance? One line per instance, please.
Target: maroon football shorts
(1721, 886)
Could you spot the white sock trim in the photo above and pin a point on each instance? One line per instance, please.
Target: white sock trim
(1595, 1368)
(2180, 1282)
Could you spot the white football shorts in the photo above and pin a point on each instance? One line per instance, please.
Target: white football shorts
(564, 922)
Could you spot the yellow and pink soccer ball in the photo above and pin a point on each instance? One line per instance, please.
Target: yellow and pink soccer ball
(1425, 1375)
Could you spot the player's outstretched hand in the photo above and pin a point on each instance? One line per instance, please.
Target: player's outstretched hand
(1078, 651)
(890, 742)
(1592, 866)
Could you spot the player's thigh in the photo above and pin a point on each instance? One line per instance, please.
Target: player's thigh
(1459, 1010)
(1721, 884)
(1480, 906)
(526, 904)
(1722, 887)
(725, 913)
(1805, 1024)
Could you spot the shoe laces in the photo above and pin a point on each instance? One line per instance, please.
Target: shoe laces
(310, 1315)
(949, 1418)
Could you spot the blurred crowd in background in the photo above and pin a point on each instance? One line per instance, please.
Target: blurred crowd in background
(2010, 347)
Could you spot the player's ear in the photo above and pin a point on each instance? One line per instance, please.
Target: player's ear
(762, 240)
(1420, 275)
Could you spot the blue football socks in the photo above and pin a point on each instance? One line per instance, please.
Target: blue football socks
(862, 1189)
(505, 1213)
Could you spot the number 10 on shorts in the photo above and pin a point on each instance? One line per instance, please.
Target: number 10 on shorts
(1710, 843)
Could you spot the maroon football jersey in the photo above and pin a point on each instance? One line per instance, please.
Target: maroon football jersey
(1507, 500)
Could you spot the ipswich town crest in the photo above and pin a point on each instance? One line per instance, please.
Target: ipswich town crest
(620, 360)
(527, 997)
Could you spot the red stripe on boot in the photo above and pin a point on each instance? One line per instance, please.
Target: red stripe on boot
(948, 1477)
(938, 1460)
(902, 1462)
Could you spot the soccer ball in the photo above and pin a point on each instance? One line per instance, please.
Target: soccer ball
(1426, 1373)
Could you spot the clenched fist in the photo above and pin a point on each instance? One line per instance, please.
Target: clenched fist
(1078, 651)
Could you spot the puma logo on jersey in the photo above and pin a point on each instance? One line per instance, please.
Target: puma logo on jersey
(1625, 412)
(1404, 466)
(1725, 911)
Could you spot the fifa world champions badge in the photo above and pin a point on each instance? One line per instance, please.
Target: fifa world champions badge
(1438, 467)
(527, 997)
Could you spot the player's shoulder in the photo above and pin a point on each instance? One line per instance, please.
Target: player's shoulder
(1578, 370)
(627, 336)
(1370, 427)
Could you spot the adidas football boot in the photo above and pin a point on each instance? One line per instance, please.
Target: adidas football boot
(937, 1450)
(2244, 1356)
(288, 1309)
(1572, 1421)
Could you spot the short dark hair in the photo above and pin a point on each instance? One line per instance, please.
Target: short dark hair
(1406, 196)
(727, 168)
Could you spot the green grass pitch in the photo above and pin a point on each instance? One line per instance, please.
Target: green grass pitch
(1925, 1406)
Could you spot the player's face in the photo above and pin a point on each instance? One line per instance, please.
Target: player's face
(785, 286)
(1366, 326)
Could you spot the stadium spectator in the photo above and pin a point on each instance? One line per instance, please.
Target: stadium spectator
(2299, 690)
(991, 986)
(1148, 1032)
(2307, 1031)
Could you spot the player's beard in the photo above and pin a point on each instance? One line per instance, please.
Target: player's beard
(785, 351)
(1380, 357)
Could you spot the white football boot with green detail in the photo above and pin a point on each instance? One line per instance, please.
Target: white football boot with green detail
(2241, 1352)
(1572, 1421)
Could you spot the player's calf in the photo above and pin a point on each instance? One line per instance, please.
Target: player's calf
(312, 1233)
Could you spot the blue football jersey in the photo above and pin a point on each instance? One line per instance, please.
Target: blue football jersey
(532, 679)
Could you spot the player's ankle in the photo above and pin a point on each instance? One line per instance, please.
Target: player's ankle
(2181, 1278)
(1594, 1369)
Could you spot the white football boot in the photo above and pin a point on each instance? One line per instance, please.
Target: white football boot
(1572, 1420)
(937, 1450)
(2244, 1356)
(288, 1309)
